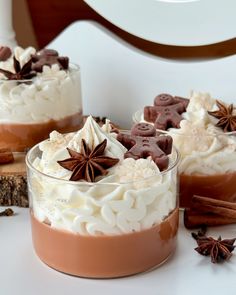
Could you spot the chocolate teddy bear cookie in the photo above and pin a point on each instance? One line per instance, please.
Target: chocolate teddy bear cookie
(166, 111)
(48, 57)
(5, 53)
(144, 142)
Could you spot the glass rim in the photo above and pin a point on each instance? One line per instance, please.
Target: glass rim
(31, 167)
(73, 67)
(176, 131)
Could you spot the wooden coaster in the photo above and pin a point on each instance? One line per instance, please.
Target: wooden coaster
(13, 185)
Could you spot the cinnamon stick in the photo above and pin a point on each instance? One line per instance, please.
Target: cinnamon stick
(195, 219)
(209, 201)
(6, 156)
(209, 212)
(224, 212)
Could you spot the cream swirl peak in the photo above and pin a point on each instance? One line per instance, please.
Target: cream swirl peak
(55, 149)
(93, 134)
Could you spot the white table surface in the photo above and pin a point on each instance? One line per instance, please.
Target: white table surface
(187, 272)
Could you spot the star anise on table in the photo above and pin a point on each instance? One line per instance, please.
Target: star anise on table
(21, 73)
(218, 249)
(227, 120)
(88, 164)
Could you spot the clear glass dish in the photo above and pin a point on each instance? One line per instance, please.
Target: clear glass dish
(31, 109)
(208, 172)
(137, 116)
(103, 229)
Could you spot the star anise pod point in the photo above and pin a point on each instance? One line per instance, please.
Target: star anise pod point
(227, 120)
(88, 164)
(21, 73)
(218, 249)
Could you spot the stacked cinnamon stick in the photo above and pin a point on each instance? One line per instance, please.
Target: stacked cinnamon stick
(209, 212)
(6, 156)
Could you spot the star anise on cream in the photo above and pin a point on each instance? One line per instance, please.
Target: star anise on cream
(227, 120)
(218, 249)
(21, 73)
(88, 164)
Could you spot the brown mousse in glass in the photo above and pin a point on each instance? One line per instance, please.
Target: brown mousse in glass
(39, 93)
(110, 239)
(166, 115)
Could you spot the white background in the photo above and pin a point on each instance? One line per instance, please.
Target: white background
(173, 22)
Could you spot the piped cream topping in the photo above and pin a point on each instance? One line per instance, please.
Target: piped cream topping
(134, 195)
(41, 99)
(93, 134)
(205, 148)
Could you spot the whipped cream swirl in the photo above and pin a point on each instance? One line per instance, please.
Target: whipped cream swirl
(133, 196)
(205, 148)
(52, 95)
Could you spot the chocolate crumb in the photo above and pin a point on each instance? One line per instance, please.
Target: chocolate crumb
(7, 212)
(5, 53)
(49, 57)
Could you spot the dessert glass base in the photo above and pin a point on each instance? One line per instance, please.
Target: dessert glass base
(103, 229)
(105, 256)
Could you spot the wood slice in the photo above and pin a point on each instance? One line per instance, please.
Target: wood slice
(13, 184)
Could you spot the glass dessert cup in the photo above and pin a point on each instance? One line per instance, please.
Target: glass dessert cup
(31, 109)
(68, 219)
(219, 184)
(207, 173)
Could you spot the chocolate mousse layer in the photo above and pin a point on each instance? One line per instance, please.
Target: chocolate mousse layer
(218, 186)
(105, 256)
(19, 137)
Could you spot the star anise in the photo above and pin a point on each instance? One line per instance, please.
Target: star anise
(227, 121)
(218, 249)
(88, 164)
(21, 73)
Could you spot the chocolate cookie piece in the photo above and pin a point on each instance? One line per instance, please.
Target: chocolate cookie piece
(144, 142)
(5, 53)
(166, 112)
(143, 129)
(48, 57)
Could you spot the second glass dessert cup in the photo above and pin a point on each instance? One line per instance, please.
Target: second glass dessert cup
(207, 167)
(103, 229)
(31, 109)
(208, 163)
